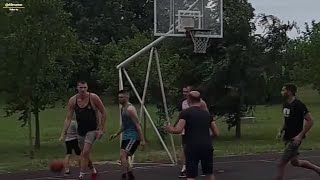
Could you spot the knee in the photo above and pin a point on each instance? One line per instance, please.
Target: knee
(123, 155)
(295, 163)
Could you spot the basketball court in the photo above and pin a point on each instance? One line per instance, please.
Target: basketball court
(262, 167)
(202, 22)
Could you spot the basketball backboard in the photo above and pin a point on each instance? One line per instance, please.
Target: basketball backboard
(172, 17)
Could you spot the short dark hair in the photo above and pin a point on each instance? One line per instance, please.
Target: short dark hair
(123, 92)
(189, 86)
(81, 81)
(291, 87)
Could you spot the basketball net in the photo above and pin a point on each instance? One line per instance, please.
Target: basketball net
(200, 44)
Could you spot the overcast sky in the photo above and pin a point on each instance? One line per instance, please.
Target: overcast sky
(300, 11)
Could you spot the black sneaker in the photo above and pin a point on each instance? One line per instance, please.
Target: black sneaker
(183, 174)
(67, 172)
(124, 176)
(131, 176)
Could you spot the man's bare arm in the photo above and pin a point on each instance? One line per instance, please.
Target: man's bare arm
(134, 116)
(70, 109)
(178, 128)
(214, 129)
(99, 105)
(308, 123)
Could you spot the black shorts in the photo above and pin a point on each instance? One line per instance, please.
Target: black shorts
(183, 140)
(130, 146)
(194, 154)
(73, 145)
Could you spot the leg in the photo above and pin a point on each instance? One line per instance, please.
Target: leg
(67, 164)
(305, 164)
(207, 163)
(124, 163)
(192, 161)
(67, 157)
(128, 148)
(290, 152)
(84, 157)
(183, 160)
(86, 149)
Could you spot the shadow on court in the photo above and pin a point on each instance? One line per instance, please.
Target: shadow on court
(258, 167)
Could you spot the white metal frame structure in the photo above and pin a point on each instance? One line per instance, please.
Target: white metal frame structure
(153, 53)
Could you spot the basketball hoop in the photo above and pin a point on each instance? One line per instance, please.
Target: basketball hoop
(200, 38)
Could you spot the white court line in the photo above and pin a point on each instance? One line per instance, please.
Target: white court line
(259, 160)
(60, 178)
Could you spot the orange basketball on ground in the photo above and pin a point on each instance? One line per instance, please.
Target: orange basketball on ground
(56, 165)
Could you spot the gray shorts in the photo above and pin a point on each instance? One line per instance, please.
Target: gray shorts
(291, 151)
(89, 138)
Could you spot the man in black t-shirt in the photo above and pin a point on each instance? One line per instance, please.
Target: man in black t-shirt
(297, 122)
(198, 142)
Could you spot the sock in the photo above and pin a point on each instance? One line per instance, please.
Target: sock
(81, 174)
(183, 168)
(94, 171)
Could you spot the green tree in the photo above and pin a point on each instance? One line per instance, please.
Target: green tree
(38, 48)
(305, 70)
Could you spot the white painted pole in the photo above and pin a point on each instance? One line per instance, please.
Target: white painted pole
(146, 82)
(120, 117)
(165, 102)
(152, 44)
(148, 115)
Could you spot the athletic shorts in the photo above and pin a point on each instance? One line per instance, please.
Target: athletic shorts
(130, 146)
(89, 138)
(183, 140)
(73, 145)
(290, 151)
(196, 154)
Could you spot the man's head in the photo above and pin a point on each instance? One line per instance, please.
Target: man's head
(289, 90)
(123, 97)
(186, 91)
(82, 87)
(194, 98)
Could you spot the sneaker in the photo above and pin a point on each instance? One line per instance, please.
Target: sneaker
(124, 176)
(67, 173)
(183, 174)
(94, 176)
(131, 176)
(80, 178)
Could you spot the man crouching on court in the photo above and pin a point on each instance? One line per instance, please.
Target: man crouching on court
(198, 143)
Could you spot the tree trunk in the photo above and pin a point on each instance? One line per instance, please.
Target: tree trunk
(31, 155)
(37, 129)
(238, 126)
(144, 127)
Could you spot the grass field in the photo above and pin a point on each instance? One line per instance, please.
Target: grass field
(257, 137)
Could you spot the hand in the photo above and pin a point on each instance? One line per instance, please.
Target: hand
(99, 134)
(62, 137)
(112, 137)
(142, 144)
(279, 135)
(167, 128)
(297, 140)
